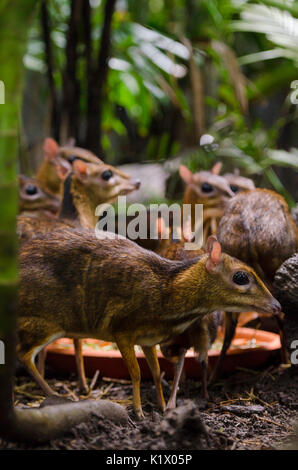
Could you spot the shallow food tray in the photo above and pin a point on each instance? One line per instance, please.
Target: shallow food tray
(250, 349)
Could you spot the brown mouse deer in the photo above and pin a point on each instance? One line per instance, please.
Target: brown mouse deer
(73, 284)
(84, 188)
(239, 183)
(258, 229)
(207, 188)
(34, 201)
(60, 156)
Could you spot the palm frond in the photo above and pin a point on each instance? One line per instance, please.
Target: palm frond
(279, 26)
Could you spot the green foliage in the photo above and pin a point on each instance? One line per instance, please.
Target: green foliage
(246, 52)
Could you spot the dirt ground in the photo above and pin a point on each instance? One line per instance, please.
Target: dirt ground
(248, 410)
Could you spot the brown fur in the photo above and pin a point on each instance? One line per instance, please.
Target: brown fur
(200, 335)
(212, 201)
(241, 183)
(84, 193)
(39, 203)
(72, 284)
(258, 229)
(83, 190)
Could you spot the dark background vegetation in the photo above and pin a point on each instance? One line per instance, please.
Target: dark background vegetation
(139, 81)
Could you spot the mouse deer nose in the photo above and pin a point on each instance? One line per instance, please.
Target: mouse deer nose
(137, 183)
(275, 306)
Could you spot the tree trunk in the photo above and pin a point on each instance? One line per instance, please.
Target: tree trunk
(71, 84)
(22, 424)
(96, 84)
(46, 31)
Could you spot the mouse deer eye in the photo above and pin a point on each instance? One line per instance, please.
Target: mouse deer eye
(241, 278)
(106, 175)
(31, 189)
(234, 188)
(207, 188)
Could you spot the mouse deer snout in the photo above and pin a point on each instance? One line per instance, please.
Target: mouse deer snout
(136, 183)
(275, 306)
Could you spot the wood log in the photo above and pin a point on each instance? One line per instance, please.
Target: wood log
(49, 422)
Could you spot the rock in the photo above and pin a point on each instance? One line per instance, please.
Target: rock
(243, 411)
(183, 420)
(285, 288)
(55, 400)
(294, 213)
(286, 284)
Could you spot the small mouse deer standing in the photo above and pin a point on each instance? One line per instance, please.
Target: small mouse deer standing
(117, 291)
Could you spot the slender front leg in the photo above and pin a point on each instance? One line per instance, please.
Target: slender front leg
(34, 334)
(231, 320)
(128, 354)
(80, 365)
(178, 371)
(204, 369)
(28, 362)
(41, 360)
(284, 350)
(152, 360)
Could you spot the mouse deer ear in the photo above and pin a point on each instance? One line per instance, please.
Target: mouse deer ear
(185, 174)
(50, 147)
(163, 232)
(213, 248)
(160, 227)
(216, 169)
(80, 169)
(187, 230)
(62, 171)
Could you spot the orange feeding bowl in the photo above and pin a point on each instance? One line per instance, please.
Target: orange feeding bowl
(250, 349)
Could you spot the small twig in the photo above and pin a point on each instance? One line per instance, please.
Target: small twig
(28, 394)
(250, 371)
(119, 381)
(130, 421)
(270, 421)
(106, 390)
(25, 385)
(70, 392)
(93, 381)
(255, 397)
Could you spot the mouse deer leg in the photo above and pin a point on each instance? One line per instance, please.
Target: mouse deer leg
(34, 334)
(231, 320)
(177, 376)
(152, 360)
(128, 354)
(83, 385)
(204, 368)
(41, 361)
